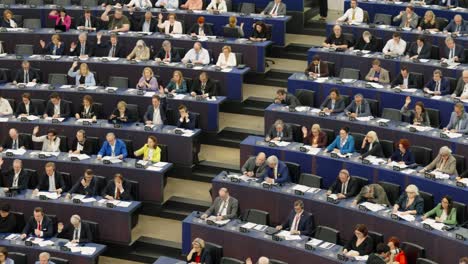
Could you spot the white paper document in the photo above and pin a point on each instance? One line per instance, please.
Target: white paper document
(79, 156)
(50, 195)
(373, 207)
(364, 118)
(287, 235)
(453, 134)
(440, 175)
(249, 225)
(406, 217)
(327, 245)
(218, 222)
(314, 242)
(433, 223)
(60, 119)
(123, 204)
(46, 243)
(16, 152)
(112, 160)
(301, 188)
(420, 128)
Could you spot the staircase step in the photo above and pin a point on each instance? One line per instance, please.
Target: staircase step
(177, 215)
(186, 204)
(277, 78)
(231, 137)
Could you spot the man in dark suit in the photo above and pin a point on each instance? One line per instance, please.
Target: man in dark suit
(7, 220)
(382, 252)
(276, 171)
(87, 185)
(39, 225)
(167, 53)
(419, 49)
(51, 180)
(200, 28)
(156, 112)
(87, 22)
(16, 177)
(279, 131)
(275, 8)
(358, 107)
(317, 68)
(76, 231)
(15, 141)
(283, 97)
(453, 51)
(148, 23)
(299, 222)
(118, 189)
(223, 207)
(83, 48)
(26, 108)
(462, 86)
(81, 145)
(204, 86)
(56, 107)
(254, 166)
(186, 119)
(111, 48)
(344, 186)
(405, 80)
(457, 25)
(439, 85)
(26, 74)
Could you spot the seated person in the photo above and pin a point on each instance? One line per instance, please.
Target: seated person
(56, 107)
(260, 32)
(381, 255)
(452, 51)
(150, 151)
(140, 52)
(366, 42)
(439, 85)
(171, 25)
(343, 143)
(255, 166)
(86, 185)
(344, 186)
(371, 146)
(148, 81)
(461, 89)
(76, 231)
(204, 86)
(233, 24)
(122, 114)
(5, 107)
(167, 53)
(38, 225)
(54, 47)
(26, 108)
(279, 131)
(448, 3)
(457, 25)
(16, 177)
(275, 8)
(83, 76)
(197, 55)
(223, 207)
(408, 18)
(15, 141)
(373, 193)
(168, 4)
(429, 22)
(403, 154)
(7, 222)
(177, 84)
(200, 28)
(8, 21)
(405, 79)
(87, 22)
(227, 58)
(358, 107)
(354, 15)
(276, 171)
(299, 222)
(51, 180)
(419, 49)
(141, 4)
(26, 74)
(117, 22)
(192, 5)
(148, 23)
(418, 116)
(61, 18)
(113, 147)
(334, 103)
(111, 48)
(83, 48)
(336, 39)
(395, 46)
(261, 260)
(156, 112)
(118, 189)
(283, 97)
(198, 253)
(81, 145)
(397, 254)
(444, 212)
(445, 162)
(315, 137)
(458, 120)
(361, 244)
(114, 3)
(50, 142)
(410, 202)
(217, 5)
(88, 110)
(377, 73)
(186, 119)
(317, 68)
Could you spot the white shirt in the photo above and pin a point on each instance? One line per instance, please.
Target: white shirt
(112, 150)
(79, 146)
(15, 179)
(57, 109)
(13, 23)
(348, 15)
(140, 3)
(221, 6)
(465, 90)
(177, 28)
(115, 192)
(230, 62)
(443, 216)
(395, 48)
(344, 187)
(157, 118)
(223, 208)
(48, 145)
(203, 56)
(52, 186)
(5, 107)
(405, 81)
(295, 223)
(169, 4)
(26, 106)
(77, 233)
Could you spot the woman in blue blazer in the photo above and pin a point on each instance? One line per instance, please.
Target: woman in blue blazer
(344, 142)
(82, 76)
(54, 47)
(410, 202)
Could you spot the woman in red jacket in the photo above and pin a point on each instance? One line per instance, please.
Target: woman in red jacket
(397, 255)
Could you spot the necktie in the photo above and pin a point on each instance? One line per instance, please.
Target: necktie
(112, 51)
(88, 23)
(274, 10)
(197, 56)
(437, 86)
(26, 77)
(358, 109)
(15, 180)
(39, 226)
(15, 144)
(203, 88)
(296, 223)
(167, 55)
(344, 186)
(75, 234)
(316, 69)
(452, 52)
(457, 28)
(54, 52)
(82, 52)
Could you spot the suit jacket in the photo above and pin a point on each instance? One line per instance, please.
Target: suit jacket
(103, 49)
(460, 87)
(306, 224)
(348, 147)
(380, 196)
(445, 2)
(19, 78)
(384, 76)
(64, 109)
(444, 85)
(375, 151)
(22, 142)
(130, 115)
(47, 227)
(282, 173)
(287, 133)
(425, 51)
(91, 190)
(291, 100)
(81, 22)
(455, 121)
(450, 166)
(425, 121)
(437, 211)
(452, 27)
(375, 259)
(89, 49)
(23, 179)
(339, 105)
(411, 81)
(206, 28)
(85, 235)
(175, 56)
(281, 11)
(150, 111)
(231, 209)
(323, 68)
(93, 111)
(351, 190)
(364, 109)
(205, 257)
(110, 190)
(191, 124)
(88, 147)
(210, 87)
(321, 141)
(153, 25)
(49, 49)
(21, 109)
(413, 23)
(459, 52)
(408, 157)
(250, 164)
(120, 149)
(44, 182)
(362, 45)
(417, 205)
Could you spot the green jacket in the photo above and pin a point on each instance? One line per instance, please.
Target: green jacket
(437, 211)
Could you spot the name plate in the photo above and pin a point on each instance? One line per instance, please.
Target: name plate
(331, 200)
(86, 123)
(24, 119)
(210, 222)
(111, 91)
(28, 243)
(298, 192)
(352, 118)
(277, 238)
(309, 247)
(428, 227)
(429, 175)
(74, 159)
(461, 184)
(81, 88)
(42, 156)
(64, 248)
(365, 161)
(443, 135)
(55, 121)
(383, 124)
(272, 144)
(140, 92)
(460, 237)
(9, 154)
(43, 197)
(267, 186)
(322, 114)
(334, 155)
(363, 208)
(243, 230)
(234, 179)
(110, 205)
(117, 125)
(178, 132)
(413, 129)
(76, 201)
(303, 149)
(342, 257)
(396, 168)
(21, 86)
(394, 217)
(107, 162)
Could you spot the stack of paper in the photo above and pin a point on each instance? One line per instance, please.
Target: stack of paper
(88, 250)
(65, 86)
(81, 120)
(314, 242)
(441, 175)
(333, 196)
(396, 164)
(60, 119)
(301, 188)
(361, 258)
(260, 228)
(302, 108)
(3, 119)
(373, 207)
(46, 243)
(433, 223)
(453, 134)
(407, 217)
(92, 87)
(249, 225)
(79, 156)
(49, 154)
(12, 237)
(382, 120)
(420, 128)
(153, 168)
(112, 160)
(287, 235)
(464, 180)
(50, 195)
(123, 204)
(149, 94)
(364, 118)
(376, 85)
(375, 160)
(218, 222)
(348, 80)
(32, 117)
(326, 245)
(83, 198)
(111, 88)
(408, 171)
(16, 152)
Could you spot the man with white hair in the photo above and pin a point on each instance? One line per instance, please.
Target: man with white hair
(276, 171)
(83, 48)
(452, 51)
(14, 141)
(44, 259)
(197, 55)
(261, 260)
(358, 107)
(462, 86)
(458, 120)
(279, 131)
(254, 166)
(457, 25)
(113, 147)
(16, 177)
(76, 231)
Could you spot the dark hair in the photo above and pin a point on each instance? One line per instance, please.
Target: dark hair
(410, 7)
(156, 97)
(316, 58)
(5, 207)
(261, 24)
(4, 251)
(450, 203)
(463, 260)
(396, 35)
(421, 38)
(54, 95)
(362, 228)
(281, 91)
(395, 241)
(403, 68)
(39, 210)
(382, 248)
(155, 140)
(88, 98)
(53, 131)
(120, 176)
(62, 10)
(345, 128)
(182, 107)
(420, 104)
(299, 203)
(87, 10)
(26, 95)
(335, 90)
(89, 172)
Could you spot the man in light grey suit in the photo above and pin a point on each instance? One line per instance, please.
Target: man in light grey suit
(254, 166)
(462, 86)
(408, 18)
(458, 120)
(224, 206)
(275, 8)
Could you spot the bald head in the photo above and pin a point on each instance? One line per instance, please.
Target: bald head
(261, 157)
(465, 76)
(263, 260)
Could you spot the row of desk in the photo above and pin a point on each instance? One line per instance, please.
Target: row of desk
(278, 34)
(167, 260)
(253, 54)
(208, 110)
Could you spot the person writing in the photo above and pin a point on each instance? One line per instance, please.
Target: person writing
(444, 212)
(150, 151)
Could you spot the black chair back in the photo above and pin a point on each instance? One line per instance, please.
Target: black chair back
(226, 260)
(412, 251)
(215, 251)
(376, 237)
(330, 134)
(39, 104)
(63, 143)
(12, 103)
(164, 152)
(331, 68)
(231, 32)
(461, 212)
(460, 163)
(32, 23)
(119, 82)
(18, 257)
(358, 138)
(382, 19)
(20, 221)
(94, 228)
(327, 234)
(425, 261)
(453, 84)
(257, 216)
(129, 145)
(59, 260)
(392, 114)
(67, 179)
(422, 155)
(435, 52)
(247, 8)
(294, 170)
(57, 79)
(361, 181)
(180, 51)
(296, 132)
(311, 180)
(374, 106)
(392, 190)
(95, 143)
(133, 108)
(27, 138)
(135, 189)
(5, 75)
(305, 97)
(101, 182)
(348, 73)
(33, 178)
(434, 116)
(428, 200)
(53, 218)
(24, 49)
(419, 77)
(387, 147)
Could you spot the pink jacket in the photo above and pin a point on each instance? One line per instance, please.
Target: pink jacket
(67, 20)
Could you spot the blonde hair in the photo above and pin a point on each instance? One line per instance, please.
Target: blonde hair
(412, 188)
(227, 47)
(316, 126)
(445, 150)
(200, 242)
(232, 21)
(433, 19)
(148, 69)
(84, 67)
(180, 75)
(121, 104)
(373, 135)
(55, 37)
